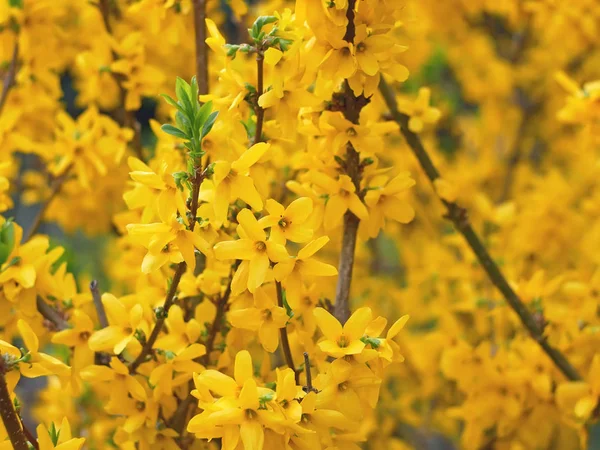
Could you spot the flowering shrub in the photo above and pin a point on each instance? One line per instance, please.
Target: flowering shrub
(300, 246)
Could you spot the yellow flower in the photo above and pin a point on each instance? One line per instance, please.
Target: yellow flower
(38, 364)
(385, 199)
(341, 198)
(161, 186)
(238, 411)
(232, 181)
(252, 247)
(294, 271)
(419, 111)
(123, 326)
(288, 223)
(370, 48)
(159, 238)
(581, 397)
(341, 341)
(180, 363)
(77, 338)
(265, 317)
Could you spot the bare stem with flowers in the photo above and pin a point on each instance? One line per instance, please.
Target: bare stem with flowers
(350, 106)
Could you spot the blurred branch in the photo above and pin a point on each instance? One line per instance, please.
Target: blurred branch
(459, 218)
(9, 78)
(55, 188)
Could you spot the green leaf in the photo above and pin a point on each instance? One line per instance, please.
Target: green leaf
(16, 4)
(202, 115)
(288, 309)
(231, 50)
(259, 23)
(210, 121)
(183, 123)
(183, 90)
(54, 434)
(7, 240)
(373, 342)
(173, 131)
(172, 102)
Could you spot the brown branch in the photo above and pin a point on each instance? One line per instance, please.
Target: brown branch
(97, 297)
(160, 321)
(181, 268)
(260, 112)
(307, 372)
(29, 435)
(9, 79)
(201, 47)
(51, 315)
(55, 188)
(11, 421)
(222, 307)
(459, 218)
(285, 342)
(350, 106)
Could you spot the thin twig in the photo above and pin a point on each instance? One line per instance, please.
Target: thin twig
(459, 218)
(201, 47)
(307, 372)
(30, 437)
(55, 188)
(11, 421)
(51, 315)
(285, 342)
(260, 112)
(9, 79)
(97, 297)
(160, 321)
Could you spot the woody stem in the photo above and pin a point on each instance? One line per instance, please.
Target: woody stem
(285, 342)
(9, 415)
(458, 216)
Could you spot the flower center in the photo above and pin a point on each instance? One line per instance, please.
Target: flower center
(342, 342)
(351, 132)
(260, 246)
(283, 223)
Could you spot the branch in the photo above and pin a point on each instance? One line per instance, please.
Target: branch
(97, 297)
(351, 106)
(9, 415)
(260, 112)
(201, 47)
(51, 314)
(29, 435)
(55, 188)
(9, 79)
(285, 342)
(222, 307)
(458, 216)
(309, 386)
(181, 267)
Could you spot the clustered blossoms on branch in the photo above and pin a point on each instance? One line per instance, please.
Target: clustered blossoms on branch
(267, 234)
